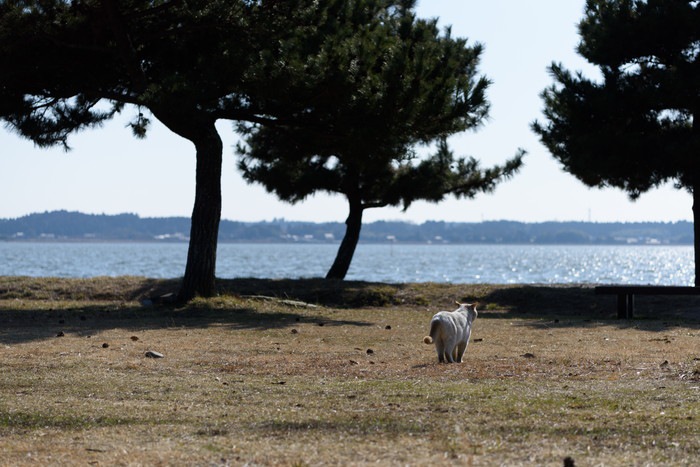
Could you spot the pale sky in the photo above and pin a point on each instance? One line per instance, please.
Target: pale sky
(108, 171)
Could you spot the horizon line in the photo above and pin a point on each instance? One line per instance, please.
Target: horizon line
(403, 221)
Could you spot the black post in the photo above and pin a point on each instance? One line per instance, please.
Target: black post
(621, 306)
(630, 306)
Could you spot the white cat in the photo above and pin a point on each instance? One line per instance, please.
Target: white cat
(450, 331)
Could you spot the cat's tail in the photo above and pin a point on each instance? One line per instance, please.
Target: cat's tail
(433, 328)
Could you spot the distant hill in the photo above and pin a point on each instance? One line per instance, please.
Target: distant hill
(75, 226)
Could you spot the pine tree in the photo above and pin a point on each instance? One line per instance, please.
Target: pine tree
(368, 95)
(180, 61)
(637, 127)
(71, 65)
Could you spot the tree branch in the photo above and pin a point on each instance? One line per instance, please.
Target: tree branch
(124, 46)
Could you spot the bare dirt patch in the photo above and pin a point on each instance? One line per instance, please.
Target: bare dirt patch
(315, 373)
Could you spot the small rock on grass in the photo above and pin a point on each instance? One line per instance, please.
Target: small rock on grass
(154, 354)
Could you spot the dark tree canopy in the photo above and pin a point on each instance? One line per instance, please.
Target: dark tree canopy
(638, 126)
(383, 84)
(71, 65)
(61, 58)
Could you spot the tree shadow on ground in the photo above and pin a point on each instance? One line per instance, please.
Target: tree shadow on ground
(25, 325)
(563, 305)
(573, 306)
(334, 293)
(107, 303)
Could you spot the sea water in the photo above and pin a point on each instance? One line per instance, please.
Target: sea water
(495, 264)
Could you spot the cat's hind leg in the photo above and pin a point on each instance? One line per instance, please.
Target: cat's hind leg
(440, 348)
(459, 351)
(450, 355)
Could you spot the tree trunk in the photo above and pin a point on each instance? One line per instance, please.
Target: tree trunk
(200, 128)
(353, 225)
(696, 204)
(200, 271)
(696, 232)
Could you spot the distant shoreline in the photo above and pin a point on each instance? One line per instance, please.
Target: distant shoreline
(67, 226)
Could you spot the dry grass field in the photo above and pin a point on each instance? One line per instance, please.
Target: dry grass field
(310, 372)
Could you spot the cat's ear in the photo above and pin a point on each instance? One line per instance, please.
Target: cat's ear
(457, 303)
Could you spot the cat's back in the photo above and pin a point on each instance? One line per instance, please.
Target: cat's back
(453, 318)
